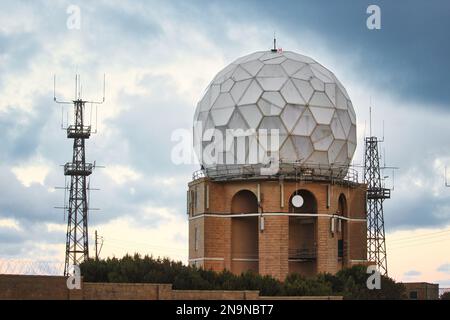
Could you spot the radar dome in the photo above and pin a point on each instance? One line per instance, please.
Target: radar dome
(286, 91)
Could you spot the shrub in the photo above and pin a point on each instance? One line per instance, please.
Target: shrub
(350, 283)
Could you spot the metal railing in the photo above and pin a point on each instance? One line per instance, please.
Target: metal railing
(78, 131)
(378, 193)
(303, 254)
(78, 168)
(287, 170)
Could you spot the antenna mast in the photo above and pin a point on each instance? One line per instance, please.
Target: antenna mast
(376, 194)
(274, 49)
(77, 245)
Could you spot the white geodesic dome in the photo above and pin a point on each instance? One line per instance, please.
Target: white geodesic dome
(278, 90)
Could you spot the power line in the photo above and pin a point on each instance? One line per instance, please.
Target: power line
(146, 244)
(430, 234)
(419, 244)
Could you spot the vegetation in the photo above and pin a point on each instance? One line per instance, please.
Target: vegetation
(445, 296)
(350, 283)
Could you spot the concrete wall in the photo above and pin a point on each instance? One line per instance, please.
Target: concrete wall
(23, 287)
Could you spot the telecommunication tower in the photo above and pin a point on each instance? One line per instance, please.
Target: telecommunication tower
(78, 170)
(376, 194)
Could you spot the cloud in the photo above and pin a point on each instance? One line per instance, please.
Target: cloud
(158, 58)
(445, 268)
(29, 174)
(412, 273)
(121, 174)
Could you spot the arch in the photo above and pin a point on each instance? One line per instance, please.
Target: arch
(309, 205)
(341, 230)
(303, 235)
(342, 206)
(244, 233)
(244, 201)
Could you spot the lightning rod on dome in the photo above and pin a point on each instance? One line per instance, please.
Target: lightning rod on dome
(274, 43)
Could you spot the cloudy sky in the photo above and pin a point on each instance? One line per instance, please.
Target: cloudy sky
(158, 58)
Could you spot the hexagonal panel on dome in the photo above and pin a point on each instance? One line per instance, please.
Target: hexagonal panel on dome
(221, 116)
(303, 146)
(322, 137)
(253, 66)
(291, 94)
(292, 66)
(305, 125)
(252, 115)
(239, 88)
(290, 115)
(252, 94)
(226, 85)
(285, 91)
(322, 115)
(335, 149)
(268, 109)
(271, 83)
(304, 73)
(287, 151)
(304, 88)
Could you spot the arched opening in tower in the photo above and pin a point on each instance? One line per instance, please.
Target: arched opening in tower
(244, 232)
(303, 233)
(341, 230)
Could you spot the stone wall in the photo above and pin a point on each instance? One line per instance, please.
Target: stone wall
(24, 287)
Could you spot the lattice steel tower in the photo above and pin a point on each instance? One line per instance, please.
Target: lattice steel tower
(77, 237)
(376, 194)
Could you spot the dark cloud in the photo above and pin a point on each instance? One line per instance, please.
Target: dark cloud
(21, 130)
(407, 57)
(31, 204)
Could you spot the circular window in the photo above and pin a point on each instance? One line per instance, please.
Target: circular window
(297, 201)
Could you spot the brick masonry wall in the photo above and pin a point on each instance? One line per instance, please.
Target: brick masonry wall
(273, 247)
(274, 240)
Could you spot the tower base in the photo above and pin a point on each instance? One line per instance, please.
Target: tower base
(244, 224)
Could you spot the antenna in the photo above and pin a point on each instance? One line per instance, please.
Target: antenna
(78, 92)
(97, 249)
(393, 179)
(447, 184)
(274, 43)
(79, 171)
